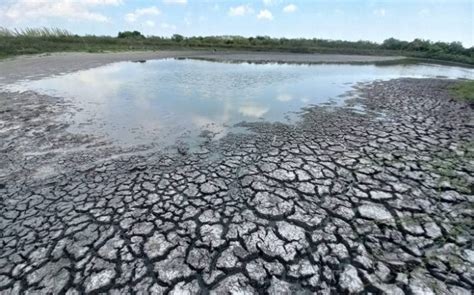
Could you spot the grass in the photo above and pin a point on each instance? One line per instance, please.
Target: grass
(464, 90)
(34, 32)
(45, 40)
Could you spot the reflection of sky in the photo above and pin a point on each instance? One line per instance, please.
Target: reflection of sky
(159, 100)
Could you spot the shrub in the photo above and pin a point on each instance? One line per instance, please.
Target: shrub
(130, 34)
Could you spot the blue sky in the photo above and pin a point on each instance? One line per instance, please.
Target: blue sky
(444, 20)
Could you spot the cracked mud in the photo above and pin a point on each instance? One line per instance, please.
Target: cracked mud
(341, 202)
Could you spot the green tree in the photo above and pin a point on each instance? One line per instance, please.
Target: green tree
(177, 38)
(130, 34)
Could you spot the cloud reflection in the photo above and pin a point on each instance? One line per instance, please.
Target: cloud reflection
(252, 110)
(284, 97)
(170, 97)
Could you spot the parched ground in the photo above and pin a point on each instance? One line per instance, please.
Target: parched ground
(342, 202)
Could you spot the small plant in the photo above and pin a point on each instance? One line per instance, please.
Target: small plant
(449, 164)
(464, 90)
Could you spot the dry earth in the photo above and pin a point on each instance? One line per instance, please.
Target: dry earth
(341, 202)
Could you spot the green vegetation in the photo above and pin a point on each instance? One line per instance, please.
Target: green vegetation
(29, 32)
(30, 41)
(129, 34)
(464, 90)
(450, 165)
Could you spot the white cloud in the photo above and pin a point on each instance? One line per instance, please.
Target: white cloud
(102, 2)
(24, 10)
(179, 2)
(379, 12)
(268, 2)
(240, 10)
(290, 8)
(133, 16)
(150, 23)
(265, 15)
(168, 26)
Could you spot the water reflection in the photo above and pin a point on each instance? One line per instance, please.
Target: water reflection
(252, 110)
(158, 101)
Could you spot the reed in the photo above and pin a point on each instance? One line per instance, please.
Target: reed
(34, 32)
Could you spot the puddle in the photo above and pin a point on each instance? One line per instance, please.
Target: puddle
(170, 100)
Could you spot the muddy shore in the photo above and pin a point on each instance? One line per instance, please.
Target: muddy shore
(340, 202)
(37, 66)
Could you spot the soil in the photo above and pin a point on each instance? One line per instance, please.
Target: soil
(340, 202)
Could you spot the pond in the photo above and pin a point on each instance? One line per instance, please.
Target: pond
(161, 101)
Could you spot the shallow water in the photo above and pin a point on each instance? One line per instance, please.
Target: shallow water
(162, 101)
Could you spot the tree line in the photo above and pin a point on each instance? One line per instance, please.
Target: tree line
(30, 41)
(423, 47)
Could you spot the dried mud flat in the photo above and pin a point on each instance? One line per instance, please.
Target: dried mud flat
(341, 202)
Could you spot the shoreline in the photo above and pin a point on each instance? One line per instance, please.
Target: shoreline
(43, 65)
